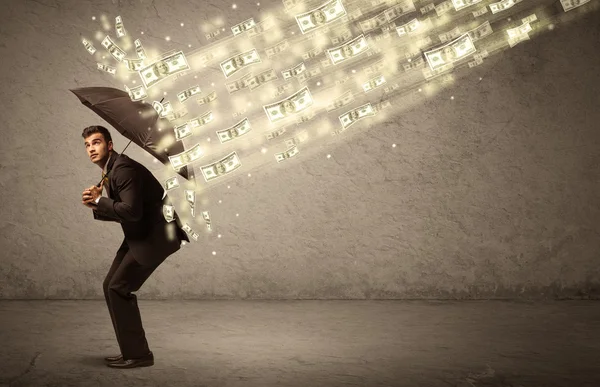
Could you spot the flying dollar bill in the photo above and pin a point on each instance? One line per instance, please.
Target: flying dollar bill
(177, 115)
(113, 49)
(182, 131)
(312, 53)
(185, 158)
(163, 109)
(481, 31)
(235, 131)
(427, 8)
(169, 212)
(238, 85)
(292, 105)
(261, 27)
(163, 68)
(345, 99)
(297, 139)
(209, 98)
(349, 50)
(453, 33)
(571, 4)
(107, 68)
(202, 120)
(278, 48)
(171, 183)
(190, 196)
(518, 34)
(451, 52)
(88, 46)
(139, 49)
(188, 230)
(206, 217)
(529, 19)
(291, 152)
(294, 71)
(243, 26)
(137, 93)
(320, 16)
(354, 115)
(226, 165)
(409, 27)
(342, 38)
(275, 133)
(373, 83)
(184, 95)
(261, 78)
(480, 12)
(460, 4)
(502, 5)
(443, 8)
(134, 64)
(235, 63)
(119, 27)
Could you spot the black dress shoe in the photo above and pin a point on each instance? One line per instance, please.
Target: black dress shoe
(145, 361)
(111, 359)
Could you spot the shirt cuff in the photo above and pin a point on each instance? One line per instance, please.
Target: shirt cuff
(97, 199)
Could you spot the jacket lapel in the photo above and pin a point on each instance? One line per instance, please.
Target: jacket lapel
(111, 162)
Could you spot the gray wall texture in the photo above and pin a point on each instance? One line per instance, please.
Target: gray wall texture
(492, 194)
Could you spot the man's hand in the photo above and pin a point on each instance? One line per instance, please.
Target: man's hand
(90, 194)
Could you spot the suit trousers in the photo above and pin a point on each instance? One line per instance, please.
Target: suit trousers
(125, 276)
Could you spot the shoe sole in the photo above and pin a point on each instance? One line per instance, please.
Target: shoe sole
(141, 364)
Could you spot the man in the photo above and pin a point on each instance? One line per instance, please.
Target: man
(134, 198)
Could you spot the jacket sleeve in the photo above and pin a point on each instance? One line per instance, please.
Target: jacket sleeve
(105, 218)
(129, 189)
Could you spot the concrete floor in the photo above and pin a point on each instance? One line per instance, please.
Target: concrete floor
(308, 343)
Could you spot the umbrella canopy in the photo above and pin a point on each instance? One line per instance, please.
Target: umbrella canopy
(136, 120)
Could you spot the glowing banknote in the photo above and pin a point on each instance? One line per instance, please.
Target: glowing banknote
(288, 153)
(409, 27)
(163, 68)
(243, 26)
(186, 94)
(171, 183)
(373, 83)
(481, 31)
(345, 99)
(188, 230)
(571, 4)
(451, 52)
(261, 78)
(209, 98)
(320, 16)
(182, 131)
(202, 120)
(294, 104)
(113, 49)
(88, 46)
(185, 158)
(461, 4)
(235, 131)
(107, 68)
(238, 62)
(119, 27)
(294, 71)
(352, 49)
(134, 64)
(137, 93)
(226, 165)
(354, 115)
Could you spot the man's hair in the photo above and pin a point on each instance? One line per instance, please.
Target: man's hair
(97, 129)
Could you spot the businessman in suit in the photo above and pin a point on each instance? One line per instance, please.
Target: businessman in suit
(134, 198)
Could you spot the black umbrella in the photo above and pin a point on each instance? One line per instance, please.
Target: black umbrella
(136, 120)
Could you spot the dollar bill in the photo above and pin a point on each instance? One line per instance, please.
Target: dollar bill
(171, 183)
(139, 49)
(373, 23)
(451, 52)
(235, 131)
(107, 68)
(182, 159)
(373, 83)
(305, 75)
(169, 212)
(262, 78)
(190, 196)
(261, 27)
(213, 34)
(119, 27)
(312, 53)
(188, 230)
(201, 121)
(243, 26)
(113, 49)
(206, 217)
(518, 34)
(186, 94)
(480, 12)
(163, 68)
(502, 5)
(275, 133)
(401, 8)
(294, 104)
(294, 71)
(289, 4)
(226, 165)
(571, 4)
(235, 63)
(326, 13)
(278, 48)
(461, 4)
(453, 33)
(163, 109)
(409, 27)
(183, 131)
(288, 153)
(374, 68)
(354, 115)
(134, 64)
(343, 100)
(443, 8)
(177, 115)
(342, 38)
(88, 46)
(297, 139)
(475, 62)
(381, 105)
(238, 85)
(137, 93)
(209, 98)
(481, 31)
(306, 117)
(529, 19)
(348, 50)
(427, 8)
(429, 74)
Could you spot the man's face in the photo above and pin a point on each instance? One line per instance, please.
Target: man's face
(97, 149)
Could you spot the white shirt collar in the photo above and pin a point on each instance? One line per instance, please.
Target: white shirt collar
(106, 165)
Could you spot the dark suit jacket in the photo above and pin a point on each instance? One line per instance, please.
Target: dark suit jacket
(135, 201)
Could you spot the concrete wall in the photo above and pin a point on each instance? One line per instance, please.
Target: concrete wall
(492, 194)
